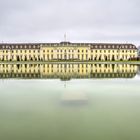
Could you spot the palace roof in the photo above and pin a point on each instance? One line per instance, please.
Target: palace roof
(64, 44)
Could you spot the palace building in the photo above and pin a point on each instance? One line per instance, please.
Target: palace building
(67, 51)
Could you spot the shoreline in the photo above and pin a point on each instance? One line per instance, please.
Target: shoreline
(70, 62)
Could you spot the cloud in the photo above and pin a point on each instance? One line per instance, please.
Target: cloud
(83, 20)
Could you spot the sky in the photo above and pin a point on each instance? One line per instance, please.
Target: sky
(102, 21)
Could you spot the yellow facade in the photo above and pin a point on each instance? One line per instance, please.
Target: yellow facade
(67, 51)
(67, 71)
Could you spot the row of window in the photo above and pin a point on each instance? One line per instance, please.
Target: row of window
(109, 51)
(21, 47)
(21, 51)
(37, 66)
(69, 56)
(79, 51)
(58, 51)
(101, 51)
(67, 70)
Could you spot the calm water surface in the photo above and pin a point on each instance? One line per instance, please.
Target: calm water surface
(98, 106)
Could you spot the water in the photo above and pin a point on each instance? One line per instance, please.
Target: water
(69, 102)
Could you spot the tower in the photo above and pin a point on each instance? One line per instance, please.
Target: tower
(65, 37)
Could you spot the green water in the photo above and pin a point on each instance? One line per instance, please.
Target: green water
(36, 110)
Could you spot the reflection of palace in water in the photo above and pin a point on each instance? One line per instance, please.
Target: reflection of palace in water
(67, 71)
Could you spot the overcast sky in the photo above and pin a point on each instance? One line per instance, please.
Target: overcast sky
(82, 21)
